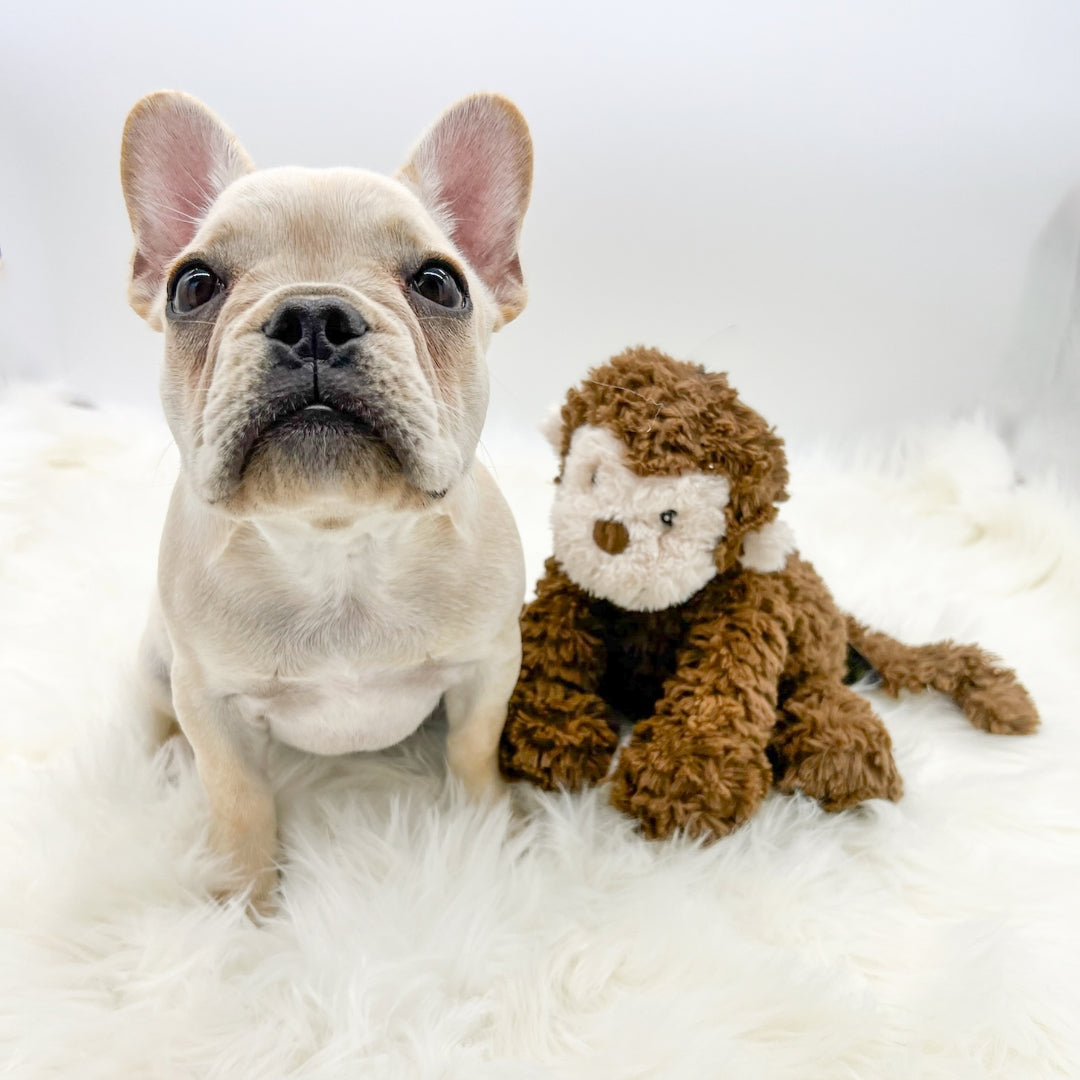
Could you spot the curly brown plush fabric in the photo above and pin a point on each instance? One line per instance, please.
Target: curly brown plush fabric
(739, 687)
(989, 695)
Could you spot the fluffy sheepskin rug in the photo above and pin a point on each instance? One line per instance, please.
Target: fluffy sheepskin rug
(422, 937)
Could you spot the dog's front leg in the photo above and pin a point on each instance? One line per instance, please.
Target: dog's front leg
(230, 754)
(476, 713)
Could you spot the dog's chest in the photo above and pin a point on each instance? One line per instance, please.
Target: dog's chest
(337, 707)
(340, 657)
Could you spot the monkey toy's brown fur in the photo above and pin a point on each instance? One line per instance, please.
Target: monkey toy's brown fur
(738, 687)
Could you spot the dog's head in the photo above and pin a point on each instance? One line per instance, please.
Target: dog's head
(325, 330)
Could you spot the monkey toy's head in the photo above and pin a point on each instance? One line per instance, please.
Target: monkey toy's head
(666, 480)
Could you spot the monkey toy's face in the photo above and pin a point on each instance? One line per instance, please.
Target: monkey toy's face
(642, 542)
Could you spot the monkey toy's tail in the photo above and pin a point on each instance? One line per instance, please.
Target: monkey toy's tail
(989, 695)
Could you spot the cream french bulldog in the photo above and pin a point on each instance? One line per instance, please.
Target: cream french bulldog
(335, 562)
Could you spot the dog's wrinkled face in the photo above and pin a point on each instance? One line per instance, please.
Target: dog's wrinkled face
(325, 330)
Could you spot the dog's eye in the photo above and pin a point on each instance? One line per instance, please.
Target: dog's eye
(668, 517)
(437, 282)
(195, 284)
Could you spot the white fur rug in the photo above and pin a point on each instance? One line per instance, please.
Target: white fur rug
(421, 937)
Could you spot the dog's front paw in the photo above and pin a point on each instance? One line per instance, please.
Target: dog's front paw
(260, 893)
(703, 785)
(247, 842)
(482, 781)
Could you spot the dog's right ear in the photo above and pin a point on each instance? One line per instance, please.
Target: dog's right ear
(177, 158)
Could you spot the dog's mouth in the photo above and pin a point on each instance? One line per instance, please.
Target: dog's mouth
(320, 418)
(310, 424)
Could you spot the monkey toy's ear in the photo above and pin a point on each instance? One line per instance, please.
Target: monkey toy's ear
(551, 427)
(766, 550)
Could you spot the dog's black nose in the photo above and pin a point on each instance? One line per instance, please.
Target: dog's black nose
(313, 330)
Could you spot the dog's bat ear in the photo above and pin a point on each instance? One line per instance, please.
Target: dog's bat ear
(177, 158)
(473, 171)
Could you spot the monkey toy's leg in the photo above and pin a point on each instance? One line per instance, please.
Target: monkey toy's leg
(828, 741)
(698, 764)
(830, 744)
(559, 732)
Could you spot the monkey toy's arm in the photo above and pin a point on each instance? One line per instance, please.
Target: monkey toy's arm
(698, 763)
(559, 732)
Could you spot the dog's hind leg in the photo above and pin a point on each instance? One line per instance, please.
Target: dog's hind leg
(155, 681)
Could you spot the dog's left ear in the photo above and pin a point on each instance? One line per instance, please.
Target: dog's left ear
(177, 158)
(473, 171)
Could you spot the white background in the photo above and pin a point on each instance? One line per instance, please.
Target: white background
(834, 201)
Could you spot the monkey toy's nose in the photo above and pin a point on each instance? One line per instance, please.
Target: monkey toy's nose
(610, 536)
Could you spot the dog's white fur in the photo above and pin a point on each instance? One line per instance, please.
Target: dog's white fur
(328, 590)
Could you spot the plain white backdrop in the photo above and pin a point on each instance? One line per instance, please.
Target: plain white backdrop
(835, 201)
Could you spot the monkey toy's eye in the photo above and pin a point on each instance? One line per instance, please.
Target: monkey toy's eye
(668, 517)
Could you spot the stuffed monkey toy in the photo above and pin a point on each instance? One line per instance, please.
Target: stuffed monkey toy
(675, 601)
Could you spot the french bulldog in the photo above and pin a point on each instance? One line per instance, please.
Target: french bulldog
(335, 562)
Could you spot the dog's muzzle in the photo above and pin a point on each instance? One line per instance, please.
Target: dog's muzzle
(317, 380)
